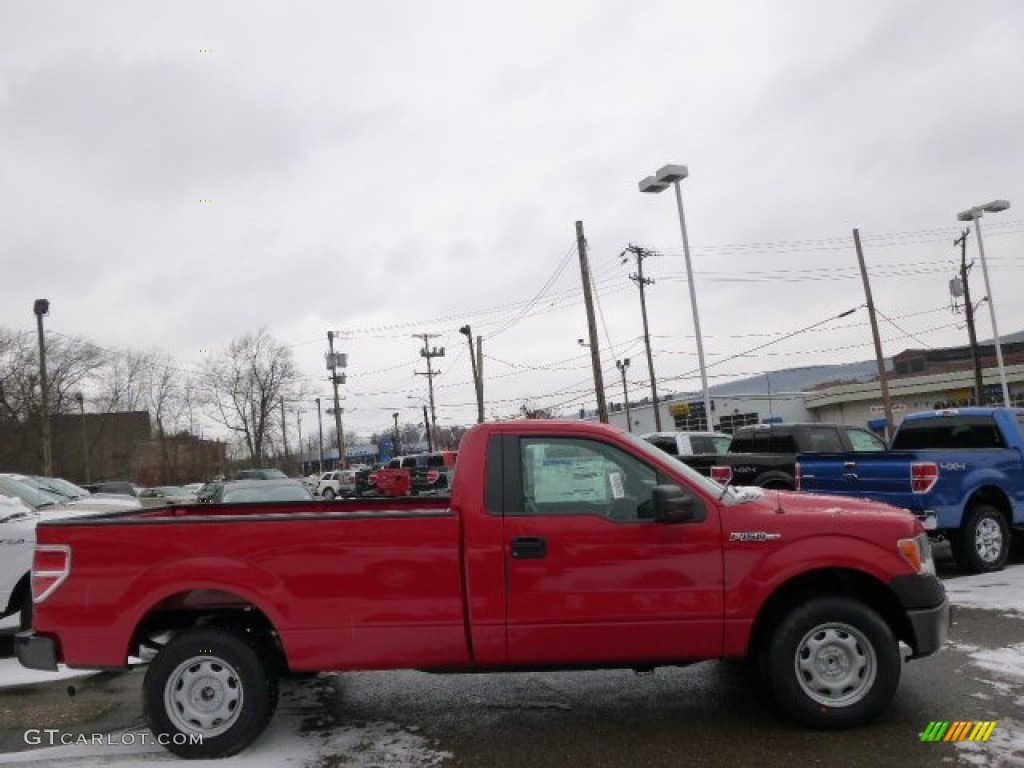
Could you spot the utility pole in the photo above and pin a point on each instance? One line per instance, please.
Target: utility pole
(622, 365)
(426, 428)
(395, 442)
(41, 308)
(298, 416)
(334, 362)
(642, 282)
(882, 378)
(429, 354)
(284, 431)
(979, 386)
(588, 300)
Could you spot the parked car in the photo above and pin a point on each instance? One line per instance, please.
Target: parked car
(565, 545)
(338, 482)
(689, 443)
(261, 474)
(765, 454)
(250, 491)
(75, 494)
(116, 487)
(960, 470)
(166, 494)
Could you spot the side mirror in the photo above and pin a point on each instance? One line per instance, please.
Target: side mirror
(674, 505)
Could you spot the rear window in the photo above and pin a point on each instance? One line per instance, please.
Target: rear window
(954, 432)
(667, 444)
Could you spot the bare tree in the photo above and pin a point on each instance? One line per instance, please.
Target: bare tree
(243, 387)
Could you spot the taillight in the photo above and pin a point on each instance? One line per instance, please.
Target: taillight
(923, 476)
(721, 475)
(432, 476)
(50, 567)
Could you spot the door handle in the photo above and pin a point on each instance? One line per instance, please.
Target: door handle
(529, 548)
(850, 477)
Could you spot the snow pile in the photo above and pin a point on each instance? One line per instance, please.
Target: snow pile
(12, 673)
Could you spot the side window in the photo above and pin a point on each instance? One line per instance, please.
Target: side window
(823, 440)
(782, 442)
(862, 440)
(570, 476)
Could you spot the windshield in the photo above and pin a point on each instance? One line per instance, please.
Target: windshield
(729, 494)
(62, 487)
(30, 492)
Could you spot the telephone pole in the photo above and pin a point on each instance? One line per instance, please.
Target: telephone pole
(41, 308)
(882, 378)
(334, 362)
(588, 300)
(298, 415)
(642, 282)
(429, 354)
(979, 386)
(320, 424)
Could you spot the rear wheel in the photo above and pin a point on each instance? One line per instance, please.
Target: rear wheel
(982, 543)
(210, 693)
(833, 662)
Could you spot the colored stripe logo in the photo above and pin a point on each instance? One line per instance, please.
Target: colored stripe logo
(958, 730)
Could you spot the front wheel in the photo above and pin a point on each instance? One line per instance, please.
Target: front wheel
(983, 542)
(328, 493)
(832, 662)
(209, 693)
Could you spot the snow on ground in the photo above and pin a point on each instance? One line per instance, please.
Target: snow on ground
(1000, 591)
(12, 673)
(297, 737)
(1003, 668)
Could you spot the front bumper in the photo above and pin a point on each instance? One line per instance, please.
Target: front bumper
(35, 651)
(928, 611)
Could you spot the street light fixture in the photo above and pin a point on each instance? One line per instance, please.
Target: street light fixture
(974, 214)
(622, 365)
(671, 175)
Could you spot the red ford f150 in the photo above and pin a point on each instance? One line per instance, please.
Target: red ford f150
(563, 545)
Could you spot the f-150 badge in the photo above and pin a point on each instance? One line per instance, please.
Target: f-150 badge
(753, 536)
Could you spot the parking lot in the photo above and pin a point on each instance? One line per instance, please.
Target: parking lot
(707, 714)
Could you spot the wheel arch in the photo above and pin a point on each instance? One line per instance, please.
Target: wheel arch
(200, 607)
(994, 496)
(774, 479)
(830, 581)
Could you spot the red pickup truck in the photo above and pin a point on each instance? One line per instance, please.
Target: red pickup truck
(563, 545)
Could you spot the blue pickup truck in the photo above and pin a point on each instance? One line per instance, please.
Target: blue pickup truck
(960, 470)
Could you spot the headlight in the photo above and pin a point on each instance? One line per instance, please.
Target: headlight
(918, 553)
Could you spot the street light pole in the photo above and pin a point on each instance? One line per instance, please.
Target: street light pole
(673, 174)
(477, 386)
(41, 308)
(85, 443)
(320, 424)
(974, 214)
(622, 365)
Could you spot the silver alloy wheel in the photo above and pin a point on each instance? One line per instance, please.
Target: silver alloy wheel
(835, 664)
(203, 695)
(988, 540)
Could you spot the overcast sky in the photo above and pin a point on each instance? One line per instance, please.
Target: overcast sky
(173, 175)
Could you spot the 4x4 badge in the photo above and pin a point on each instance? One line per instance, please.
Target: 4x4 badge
(753, 536)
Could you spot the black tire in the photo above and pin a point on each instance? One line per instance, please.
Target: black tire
(982, 543)
(328, 493)
(220, 684)
(832, 662)
(25, 614)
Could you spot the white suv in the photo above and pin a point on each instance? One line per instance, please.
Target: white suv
(340, 482)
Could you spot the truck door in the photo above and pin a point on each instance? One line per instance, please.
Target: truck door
(591, 577)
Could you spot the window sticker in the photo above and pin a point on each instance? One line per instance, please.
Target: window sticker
(615, 480)
(570, 479)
